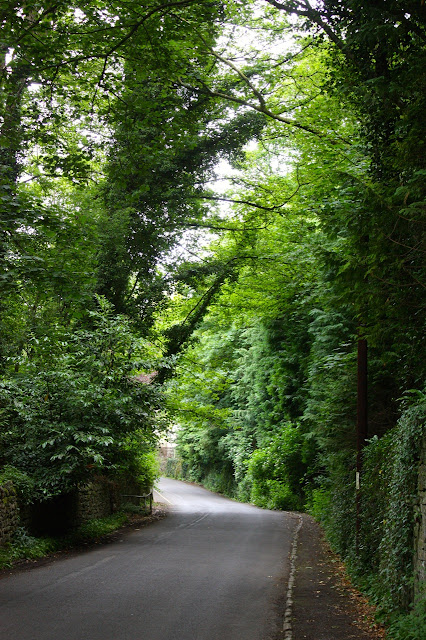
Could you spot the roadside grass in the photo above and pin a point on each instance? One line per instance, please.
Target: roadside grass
(24, 546)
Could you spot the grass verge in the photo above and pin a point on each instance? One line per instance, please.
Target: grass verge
(25, 547)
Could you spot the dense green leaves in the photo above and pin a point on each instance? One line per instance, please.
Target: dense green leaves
(243, 183)
(95, 185)
(75, 406)
(326, 232)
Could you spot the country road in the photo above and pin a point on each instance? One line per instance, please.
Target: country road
(214, 569)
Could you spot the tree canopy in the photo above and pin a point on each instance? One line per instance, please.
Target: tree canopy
(203, 207)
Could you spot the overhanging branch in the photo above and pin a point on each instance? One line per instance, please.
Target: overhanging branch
(262, 108)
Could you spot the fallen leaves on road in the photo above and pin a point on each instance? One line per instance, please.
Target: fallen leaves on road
(365, 611)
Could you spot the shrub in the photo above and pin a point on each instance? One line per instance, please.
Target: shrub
(24, 485)
(396, 546)
(75, 407)
(23, 546)
(149, 469)
(173, 468)
(220, 482)
(411, 626)
(382, 565)
(26, 547)
(97, 528)
(278, 470)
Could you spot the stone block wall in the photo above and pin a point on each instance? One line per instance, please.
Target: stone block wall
(420, 528)
(97, 499)
(102, 497)
(94, 500)
(9, 512)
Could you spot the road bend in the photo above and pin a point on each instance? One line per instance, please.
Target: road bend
(214, 569)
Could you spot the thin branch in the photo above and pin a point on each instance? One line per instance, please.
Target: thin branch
(35, 23)
(406, 246)
(411, 219)
(266, 112)
(98, 85)
(243, 77)
(317, 18)
(166, 6)
(196, 225)
(396, 284)
(130, 294)
(102, 56)
(262, 107)
(247, 202)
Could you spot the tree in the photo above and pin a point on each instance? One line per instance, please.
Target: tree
(76, 408)
(162, 159)
(353, 173)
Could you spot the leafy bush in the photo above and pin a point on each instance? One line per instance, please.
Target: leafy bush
(243, 492)
(26, 547)
(277, 471)
(411, 626)
(148, 469)
(75, 408)
(274, 494)
(140, 463)
(220, 482)
(23, 484)
(97, 528)
(383, 562)
(396, 546)
(319, 502)
(173, 468)
(23, 546)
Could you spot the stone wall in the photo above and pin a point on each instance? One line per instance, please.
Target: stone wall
(97, 499)
(420, 528)
(9, 512)
(102, 497)
(94, 500)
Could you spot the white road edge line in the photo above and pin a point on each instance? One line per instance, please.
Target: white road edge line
(162, 497)
(287, 626)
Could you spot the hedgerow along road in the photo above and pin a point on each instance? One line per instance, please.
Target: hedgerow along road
(213, 569)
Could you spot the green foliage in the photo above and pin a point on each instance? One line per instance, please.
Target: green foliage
(277, 472)
(26, 547)
(396, 566)
(202, 460)
(410, 626)
(320, 240)
(173, 468)
(75, 407)
(145, 467)
(331, 500)
(96, 529)
(383, 562)
(23, 484)
(378, 462)
(319, 503)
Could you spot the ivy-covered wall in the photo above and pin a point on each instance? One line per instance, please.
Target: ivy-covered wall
(420, 529)
(9, 512)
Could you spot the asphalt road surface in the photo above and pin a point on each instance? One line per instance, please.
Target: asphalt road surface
(213, 569)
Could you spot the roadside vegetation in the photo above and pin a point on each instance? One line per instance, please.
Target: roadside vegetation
(209, 240)
(25, 547)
